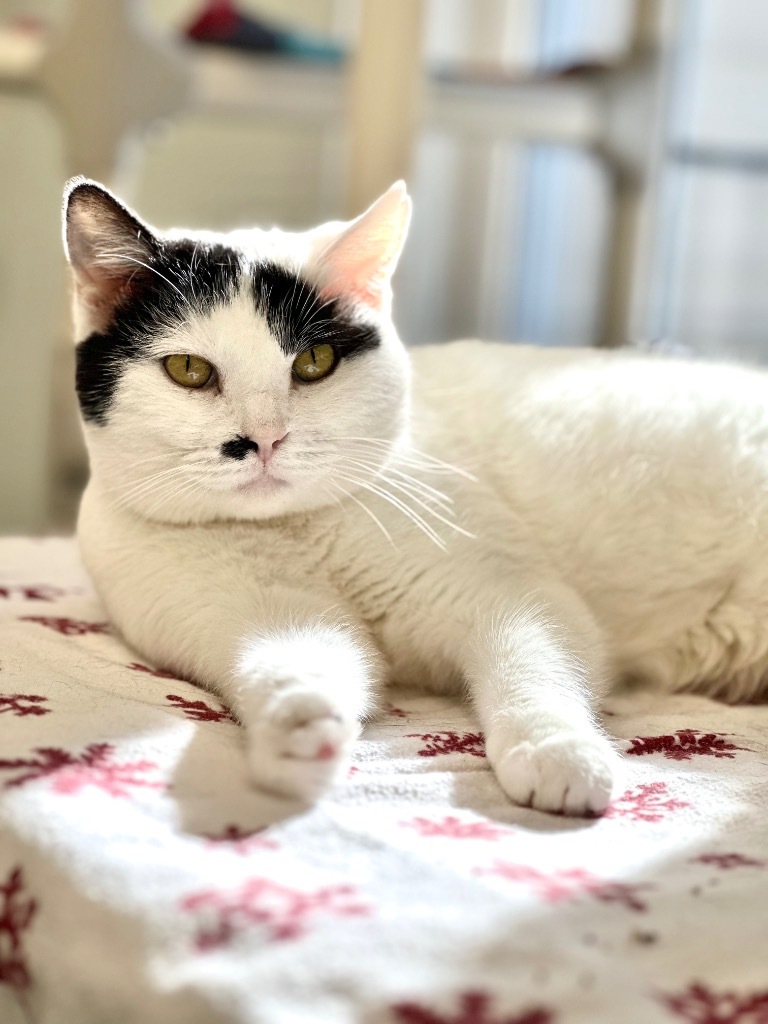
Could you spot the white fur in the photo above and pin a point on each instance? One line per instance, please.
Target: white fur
(609, 522)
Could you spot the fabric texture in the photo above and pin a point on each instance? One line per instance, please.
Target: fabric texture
(143, 880)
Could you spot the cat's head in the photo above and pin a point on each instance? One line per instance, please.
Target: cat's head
(243, 375)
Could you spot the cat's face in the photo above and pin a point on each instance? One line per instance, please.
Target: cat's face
(239, 376)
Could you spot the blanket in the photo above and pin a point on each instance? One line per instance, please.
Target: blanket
(142, 879)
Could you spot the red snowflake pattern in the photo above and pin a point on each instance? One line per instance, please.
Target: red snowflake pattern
(240, 841)
(726, 861)
(34, 592)
(474, 1008)
(16, 913)
(682, 745)
(22, 704)
(569, 883)
(156, 672)
(650, 801)
(456, 828)
(396, 712)
(700, 1005)
(199, 711)
(285, 911)
(69, 627)
(94, 767)
(449, 742)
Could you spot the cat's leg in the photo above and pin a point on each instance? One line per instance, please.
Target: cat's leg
(536, 671)
(297, 672)
(302, 692)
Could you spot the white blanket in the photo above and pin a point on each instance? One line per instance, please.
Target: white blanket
(142, 880)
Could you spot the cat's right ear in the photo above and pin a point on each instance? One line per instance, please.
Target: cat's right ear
(109, 248)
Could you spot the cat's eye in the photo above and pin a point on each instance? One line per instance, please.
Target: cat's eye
(315, 363)
(189, 371)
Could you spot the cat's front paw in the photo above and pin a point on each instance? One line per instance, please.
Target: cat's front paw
(299, 746)
(564, 774)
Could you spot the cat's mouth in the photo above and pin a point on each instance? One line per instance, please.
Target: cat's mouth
(264, 484)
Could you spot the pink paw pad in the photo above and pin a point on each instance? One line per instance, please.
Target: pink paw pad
(326, 753)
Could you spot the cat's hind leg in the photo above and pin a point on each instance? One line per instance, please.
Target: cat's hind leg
(536, 671)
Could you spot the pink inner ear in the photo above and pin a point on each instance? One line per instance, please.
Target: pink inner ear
(366, 292)
(352, 276)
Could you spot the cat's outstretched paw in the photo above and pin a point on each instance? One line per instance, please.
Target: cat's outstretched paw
(299, 746)
(564, 774)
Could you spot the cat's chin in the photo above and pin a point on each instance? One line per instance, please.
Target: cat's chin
(269, 498)
(262, 485)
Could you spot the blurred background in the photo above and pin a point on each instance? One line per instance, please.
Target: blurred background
(584, 172)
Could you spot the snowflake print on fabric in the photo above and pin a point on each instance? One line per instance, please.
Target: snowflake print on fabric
(569, 883)
(36, 592)
(455, 828)
(449, 742)
(682, 745)
(23, 704)
(284, 911)
(700, 1005)
(199, 711)
(94, 767)
(650, 801)
(156, 672)
(16, 913)
(241, 841)
(396, 712)
(69, 627)
(726, 861)
(474, 1008)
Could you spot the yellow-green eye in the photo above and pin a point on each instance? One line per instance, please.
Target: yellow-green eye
(189, 371)
(315, 363)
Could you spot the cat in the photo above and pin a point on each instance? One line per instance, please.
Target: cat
(288, 509)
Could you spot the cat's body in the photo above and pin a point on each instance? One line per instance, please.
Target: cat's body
(605, 518)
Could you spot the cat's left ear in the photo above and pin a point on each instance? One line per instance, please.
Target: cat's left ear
(359, 263)
(109, 248)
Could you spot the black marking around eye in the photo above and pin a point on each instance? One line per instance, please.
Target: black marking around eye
(187, 278)
(182, 279)
(299, 317)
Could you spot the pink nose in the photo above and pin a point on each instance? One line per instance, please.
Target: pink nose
(267, 444)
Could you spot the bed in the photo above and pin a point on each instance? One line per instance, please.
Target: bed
(143, 880)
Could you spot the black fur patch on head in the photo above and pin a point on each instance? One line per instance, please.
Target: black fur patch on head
(181, 279)
(300, 317)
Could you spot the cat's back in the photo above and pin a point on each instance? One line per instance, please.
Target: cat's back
(645, 481)
(616, 414)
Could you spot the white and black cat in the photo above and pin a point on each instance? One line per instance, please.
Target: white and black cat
(287, 509)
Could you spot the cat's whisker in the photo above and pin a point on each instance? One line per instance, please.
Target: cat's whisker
(149, 484)
(148, 480)
(423, 501)
(106, 257)
(425, 486)
(308, 297)
(401, 506)
(431, 460)
(315, 315)
(406, 453)
(313, 337)
(365, 509)
(177, 455)
(182, 489)
(415, 485)
(438, 496)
